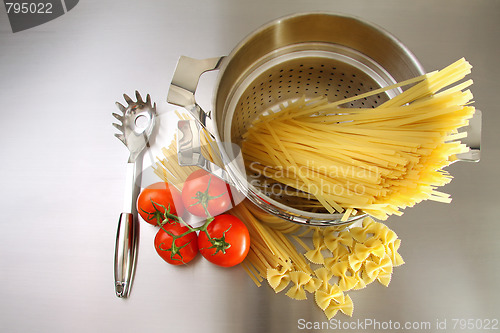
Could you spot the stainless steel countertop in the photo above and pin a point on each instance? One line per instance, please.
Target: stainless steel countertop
(64, 174)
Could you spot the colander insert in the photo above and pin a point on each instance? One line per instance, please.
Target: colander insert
(310, 70)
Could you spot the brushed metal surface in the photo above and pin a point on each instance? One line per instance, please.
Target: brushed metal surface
(61, 189)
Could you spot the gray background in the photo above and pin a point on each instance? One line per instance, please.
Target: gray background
(63, 172)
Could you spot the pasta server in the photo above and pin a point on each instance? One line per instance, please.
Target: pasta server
(137, 124)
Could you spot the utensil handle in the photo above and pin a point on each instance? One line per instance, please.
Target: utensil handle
(185, 81)
(127, 235)
(127, 241)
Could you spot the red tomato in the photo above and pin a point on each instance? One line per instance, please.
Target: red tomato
(201, 186)
(184, 249)
(232, 236)
(162, 194)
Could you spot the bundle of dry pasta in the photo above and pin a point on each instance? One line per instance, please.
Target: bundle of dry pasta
(377, 160)
(337, 261)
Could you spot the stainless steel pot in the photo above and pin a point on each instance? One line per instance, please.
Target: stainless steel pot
(309, 54)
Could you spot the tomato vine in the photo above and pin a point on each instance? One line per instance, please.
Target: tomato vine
(221, 240)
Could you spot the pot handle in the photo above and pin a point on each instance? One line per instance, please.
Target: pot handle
(189, 149)
(184, 82)
(473, 139)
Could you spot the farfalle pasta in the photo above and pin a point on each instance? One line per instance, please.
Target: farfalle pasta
(346, 307)
(278, 278)
(299, 280)
(321, 261)
(329, 293)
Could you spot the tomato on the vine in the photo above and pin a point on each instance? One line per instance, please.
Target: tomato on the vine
(183, 250)
(153, 197)
(230, 241)
(204, 189)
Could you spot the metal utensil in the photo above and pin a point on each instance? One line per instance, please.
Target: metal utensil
(137, 124)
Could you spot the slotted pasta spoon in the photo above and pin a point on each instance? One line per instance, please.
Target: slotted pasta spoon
(137, 124)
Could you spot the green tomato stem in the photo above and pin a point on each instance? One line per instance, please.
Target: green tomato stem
(162, 218)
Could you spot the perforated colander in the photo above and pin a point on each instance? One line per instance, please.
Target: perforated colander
(311, 55)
